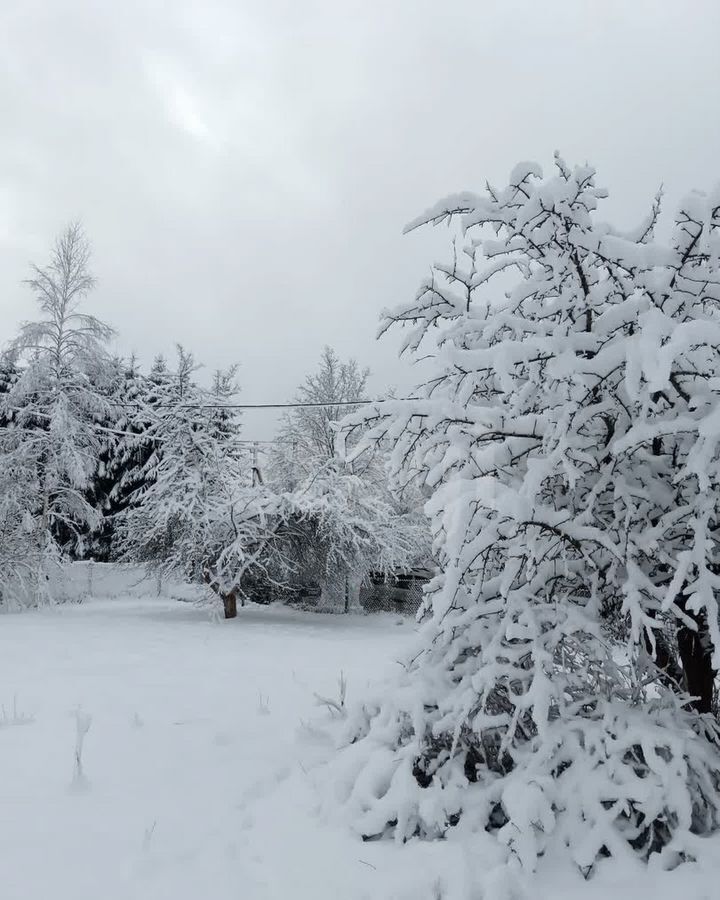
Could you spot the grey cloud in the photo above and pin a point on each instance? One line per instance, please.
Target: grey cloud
(245, 169)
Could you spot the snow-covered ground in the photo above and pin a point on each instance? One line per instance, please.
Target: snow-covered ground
(199, 768)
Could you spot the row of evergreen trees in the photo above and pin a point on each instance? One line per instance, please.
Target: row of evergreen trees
(102, 460)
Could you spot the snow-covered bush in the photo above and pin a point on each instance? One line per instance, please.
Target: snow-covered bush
(340, 526)
(561, 691)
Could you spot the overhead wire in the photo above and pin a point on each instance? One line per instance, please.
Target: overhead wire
(234, 406)
(259, 405)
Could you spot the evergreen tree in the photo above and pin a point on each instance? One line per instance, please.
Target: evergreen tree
(132, 451)
(122, 454)
(223, 420)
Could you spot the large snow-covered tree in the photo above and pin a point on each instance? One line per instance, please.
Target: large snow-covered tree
(131, 451)
(561, 691)
(50, 436)
(126, 449)
(197, 513)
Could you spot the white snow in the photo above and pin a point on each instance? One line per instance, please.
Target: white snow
(202, 763)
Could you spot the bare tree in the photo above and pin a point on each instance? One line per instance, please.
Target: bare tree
(65, 338)
(308, 435)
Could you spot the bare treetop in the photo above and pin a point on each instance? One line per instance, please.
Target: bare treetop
(64, 335)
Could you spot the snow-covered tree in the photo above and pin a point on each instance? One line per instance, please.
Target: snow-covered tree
(26, 555)
(52, 410)
(342, 521)
(341, 526)
(128, 447)
(197, 513)
(308, 434)
(9, 374)
(131, 453)
(223, 417)
(112, 387)
(570, 442)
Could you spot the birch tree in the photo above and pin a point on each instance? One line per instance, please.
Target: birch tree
(54, 405)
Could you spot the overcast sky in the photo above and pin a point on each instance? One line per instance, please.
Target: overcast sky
(244, 168)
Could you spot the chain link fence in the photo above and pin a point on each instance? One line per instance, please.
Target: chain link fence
(402, 594)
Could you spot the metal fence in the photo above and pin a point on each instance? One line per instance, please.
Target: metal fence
(402, 594)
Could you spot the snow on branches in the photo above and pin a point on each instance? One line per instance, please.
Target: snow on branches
(341, 526)
(343, 523)
(562, 688)
(49, 442)
(197, 513)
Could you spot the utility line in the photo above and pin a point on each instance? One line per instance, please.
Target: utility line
(255, 405)
(151, 406)
(139, 435)
(130, 404)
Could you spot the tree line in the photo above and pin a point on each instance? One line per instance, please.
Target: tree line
(102, 460)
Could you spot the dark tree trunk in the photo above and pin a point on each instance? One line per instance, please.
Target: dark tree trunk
(665, 659)
(229, 600)
(695, 648)
(230, 605)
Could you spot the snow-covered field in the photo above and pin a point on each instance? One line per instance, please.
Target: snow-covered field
(200, 775)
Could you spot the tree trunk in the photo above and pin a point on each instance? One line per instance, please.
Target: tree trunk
(695, 648)
(230, 605)
(671, 673)
(666, 661)
(229, 600)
